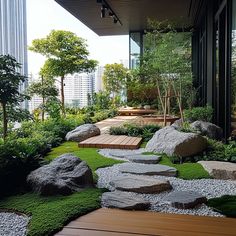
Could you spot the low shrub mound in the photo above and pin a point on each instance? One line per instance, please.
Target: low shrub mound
(225, 205)
(145, 131)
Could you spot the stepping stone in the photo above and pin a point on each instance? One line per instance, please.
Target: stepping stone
(145, 159)
(123, 200)
(220, 169)
(151, 169)
(140, 184)
(184, 199)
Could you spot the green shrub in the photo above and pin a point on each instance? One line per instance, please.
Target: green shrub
(17, 159)
(199, 113)
(146, 131)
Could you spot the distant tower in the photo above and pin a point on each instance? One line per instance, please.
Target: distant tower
(13, 34)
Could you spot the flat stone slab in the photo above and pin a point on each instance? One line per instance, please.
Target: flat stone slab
(123, 200)
(151, 169)
(220, 169)
(185, 199)
(140, 184)
(145, 159)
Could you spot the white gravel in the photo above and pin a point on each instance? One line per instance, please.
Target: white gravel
(12, 224)
(207, 187)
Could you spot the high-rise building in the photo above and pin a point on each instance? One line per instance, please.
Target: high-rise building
(77, 89)
(98, 79)
(13, 34)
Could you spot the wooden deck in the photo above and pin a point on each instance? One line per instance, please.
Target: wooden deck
(111, 141)
(111, 222)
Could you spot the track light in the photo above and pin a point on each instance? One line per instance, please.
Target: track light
(103, 11)
(115, 20)
(105, 8)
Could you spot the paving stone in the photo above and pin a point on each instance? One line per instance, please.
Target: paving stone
(220, 169)
(144, 169)
(123, 200)
(145, 159)
(184, 199)
(140, 184)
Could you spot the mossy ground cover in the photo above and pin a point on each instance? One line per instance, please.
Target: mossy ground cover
(50, 214)
(226, 205)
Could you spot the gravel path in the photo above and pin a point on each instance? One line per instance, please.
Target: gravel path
(207, 187)
(12, 224)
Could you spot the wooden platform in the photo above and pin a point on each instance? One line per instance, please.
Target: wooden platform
(111, 141)
(130, 112)
(110, 222)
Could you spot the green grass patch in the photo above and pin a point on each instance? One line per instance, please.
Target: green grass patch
(225, 205)
(50, 214)
(187, 171)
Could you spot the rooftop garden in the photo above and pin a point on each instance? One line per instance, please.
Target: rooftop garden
(168, 158)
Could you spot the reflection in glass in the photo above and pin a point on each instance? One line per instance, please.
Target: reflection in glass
(233, 71)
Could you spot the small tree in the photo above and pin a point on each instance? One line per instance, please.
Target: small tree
(66, 54)
(45, 89)
(114, 78)
(10, 80)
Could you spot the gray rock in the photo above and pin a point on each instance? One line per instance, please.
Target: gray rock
(141, 158)
(140, 184)
(177, 124)
(208, 129)
(184, 199)
(123, 200)
(220, 169)
(143, 169)
(83, 132)
(170, 141)
(64, 175)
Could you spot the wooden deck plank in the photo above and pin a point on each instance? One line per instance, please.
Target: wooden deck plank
(120, 223)
(112, 141)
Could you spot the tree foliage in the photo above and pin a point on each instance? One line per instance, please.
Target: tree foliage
(66, 53)
(114, 78)
(10, 80)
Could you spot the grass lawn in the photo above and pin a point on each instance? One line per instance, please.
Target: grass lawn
(187, 171)
(225, 205)
(50, 214)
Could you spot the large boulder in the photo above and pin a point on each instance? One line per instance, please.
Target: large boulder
(170, 141)
(64, 175)
(83, 132)
(208, 129)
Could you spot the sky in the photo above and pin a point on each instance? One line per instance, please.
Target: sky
(46, 15)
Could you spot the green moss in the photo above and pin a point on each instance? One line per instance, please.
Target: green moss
(226, 205)
(50, 214)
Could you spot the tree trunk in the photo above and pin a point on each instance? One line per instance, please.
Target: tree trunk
(62, 96)
(43, 109)
(4, 119)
